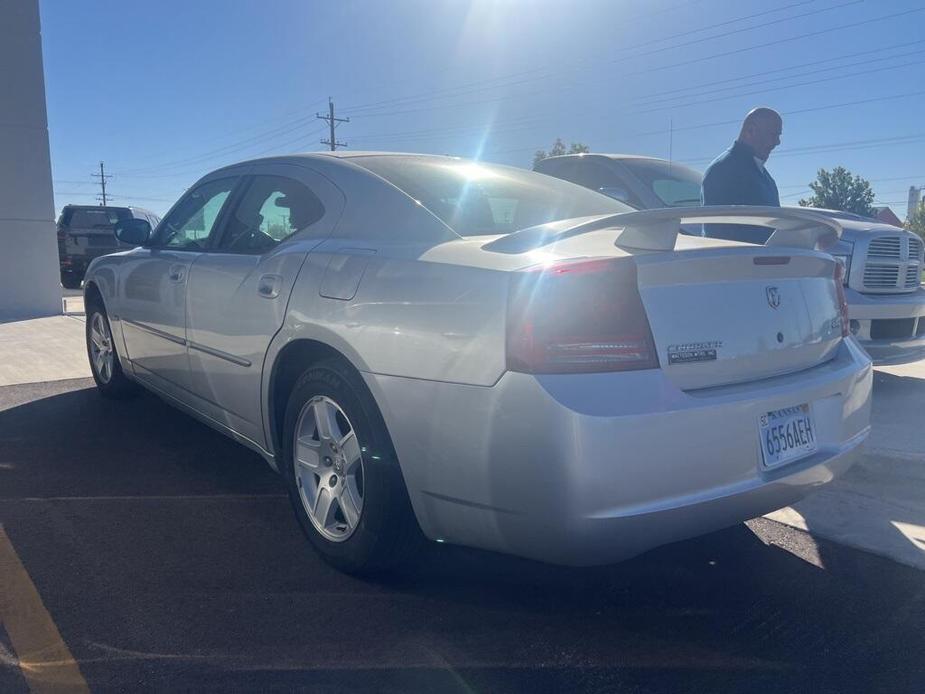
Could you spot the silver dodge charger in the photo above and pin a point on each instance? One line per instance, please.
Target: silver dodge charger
(430, 347)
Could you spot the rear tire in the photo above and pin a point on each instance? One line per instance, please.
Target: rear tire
(71, 280)
(343, 476)
(105, 366)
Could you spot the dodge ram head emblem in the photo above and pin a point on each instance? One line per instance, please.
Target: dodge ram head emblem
(773, 296)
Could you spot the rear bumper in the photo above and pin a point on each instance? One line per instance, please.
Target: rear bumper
(890, 327)
(591, 469)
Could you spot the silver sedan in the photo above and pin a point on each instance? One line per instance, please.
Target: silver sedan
(429, 347)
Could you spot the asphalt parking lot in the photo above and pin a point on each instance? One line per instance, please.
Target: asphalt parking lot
(167, 557)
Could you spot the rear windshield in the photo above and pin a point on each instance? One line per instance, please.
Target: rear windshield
(474, 198)
(94, 218)
(673, 184)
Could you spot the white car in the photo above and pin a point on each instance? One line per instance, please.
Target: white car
(883, 263)
(487, 355)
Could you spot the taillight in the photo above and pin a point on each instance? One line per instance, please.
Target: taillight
(578, 316)
(842, 299)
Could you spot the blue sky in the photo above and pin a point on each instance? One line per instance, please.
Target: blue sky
(167, 91)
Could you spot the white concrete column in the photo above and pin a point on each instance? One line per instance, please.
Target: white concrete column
(29, 280)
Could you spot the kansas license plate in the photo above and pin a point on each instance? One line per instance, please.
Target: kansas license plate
(786, 435)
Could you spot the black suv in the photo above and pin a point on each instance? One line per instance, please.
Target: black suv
(86, 231)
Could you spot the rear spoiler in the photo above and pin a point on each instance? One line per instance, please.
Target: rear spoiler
(657, 230)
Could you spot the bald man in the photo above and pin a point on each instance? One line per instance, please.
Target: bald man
(738, 176)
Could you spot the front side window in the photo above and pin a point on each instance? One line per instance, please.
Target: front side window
(475, 199)
(272, 209)
(189, 225)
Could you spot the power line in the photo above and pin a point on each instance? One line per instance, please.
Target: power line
(850, 145)
(475, 83)
(762, 26)
(455, 92)
(525, 123)
(777, 42)
(282, 129)
(737, 121)
(199, 162)
(647, 70)
(464, 89)
(787, 86)
(431, 96)
(698, 88)
(332, 122)
(797, 151)
(872, 180)
(226, 149)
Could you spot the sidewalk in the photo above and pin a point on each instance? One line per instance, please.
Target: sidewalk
(878, 506)
(43, 349)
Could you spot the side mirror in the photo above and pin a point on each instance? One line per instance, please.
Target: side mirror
(620, 194)
(134, 232)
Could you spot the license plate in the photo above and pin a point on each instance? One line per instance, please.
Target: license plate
(786, 435)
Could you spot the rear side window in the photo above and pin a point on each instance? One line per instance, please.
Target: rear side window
(102, 218)
(272, 209)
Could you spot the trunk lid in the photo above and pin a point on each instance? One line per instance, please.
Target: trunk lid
(727, 315)
(720, 312)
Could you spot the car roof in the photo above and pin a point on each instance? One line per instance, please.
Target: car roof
(133, 208)
(350, 155)
(337, 158)
(625, 158)
(605, 155)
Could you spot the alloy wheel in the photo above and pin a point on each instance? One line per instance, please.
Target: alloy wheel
(101, 350)
(328, 466)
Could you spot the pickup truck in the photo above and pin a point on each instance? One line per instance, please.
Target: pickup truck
(85, 232)
(883, 263)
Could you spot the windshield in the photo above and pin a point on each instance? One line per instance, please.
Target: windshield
(675, 185)
(475, 199)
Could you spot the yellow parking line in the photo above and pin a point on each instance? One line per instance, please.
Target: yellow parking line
(44, 659)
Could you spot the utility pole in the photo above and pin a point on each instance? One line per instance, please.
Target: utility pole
(332, 123)
(102, 175)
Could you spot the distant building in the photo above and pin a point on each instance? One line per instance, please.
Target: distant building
(915, 197)
(886, 215)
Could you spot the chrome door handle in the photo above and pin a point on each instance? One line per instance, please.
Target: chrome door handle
(268, 286)
(176, 273)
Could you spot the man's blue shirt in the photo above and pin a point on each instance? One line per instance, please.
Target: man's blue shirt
(734, 178)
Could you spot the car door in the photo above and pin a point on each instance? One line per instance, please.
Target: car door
(152, 293)
(239, 289)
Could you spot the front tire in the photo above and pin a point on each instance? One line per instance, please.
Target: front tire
(342, 474)
(111, 382)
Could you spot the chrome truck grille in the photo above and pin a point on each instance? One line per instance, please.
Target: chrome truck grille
(893, 264)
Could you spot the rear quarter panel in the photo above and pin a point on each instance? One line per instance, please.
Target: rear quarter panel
(408, 317)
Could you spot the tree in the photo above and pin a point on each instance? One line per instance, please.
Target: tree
(558, 149)
(841, 190)
(916, 221)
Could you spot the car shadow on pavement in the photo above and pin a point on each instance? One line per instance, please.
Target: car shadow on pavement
(76, 443)
(170, 559)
